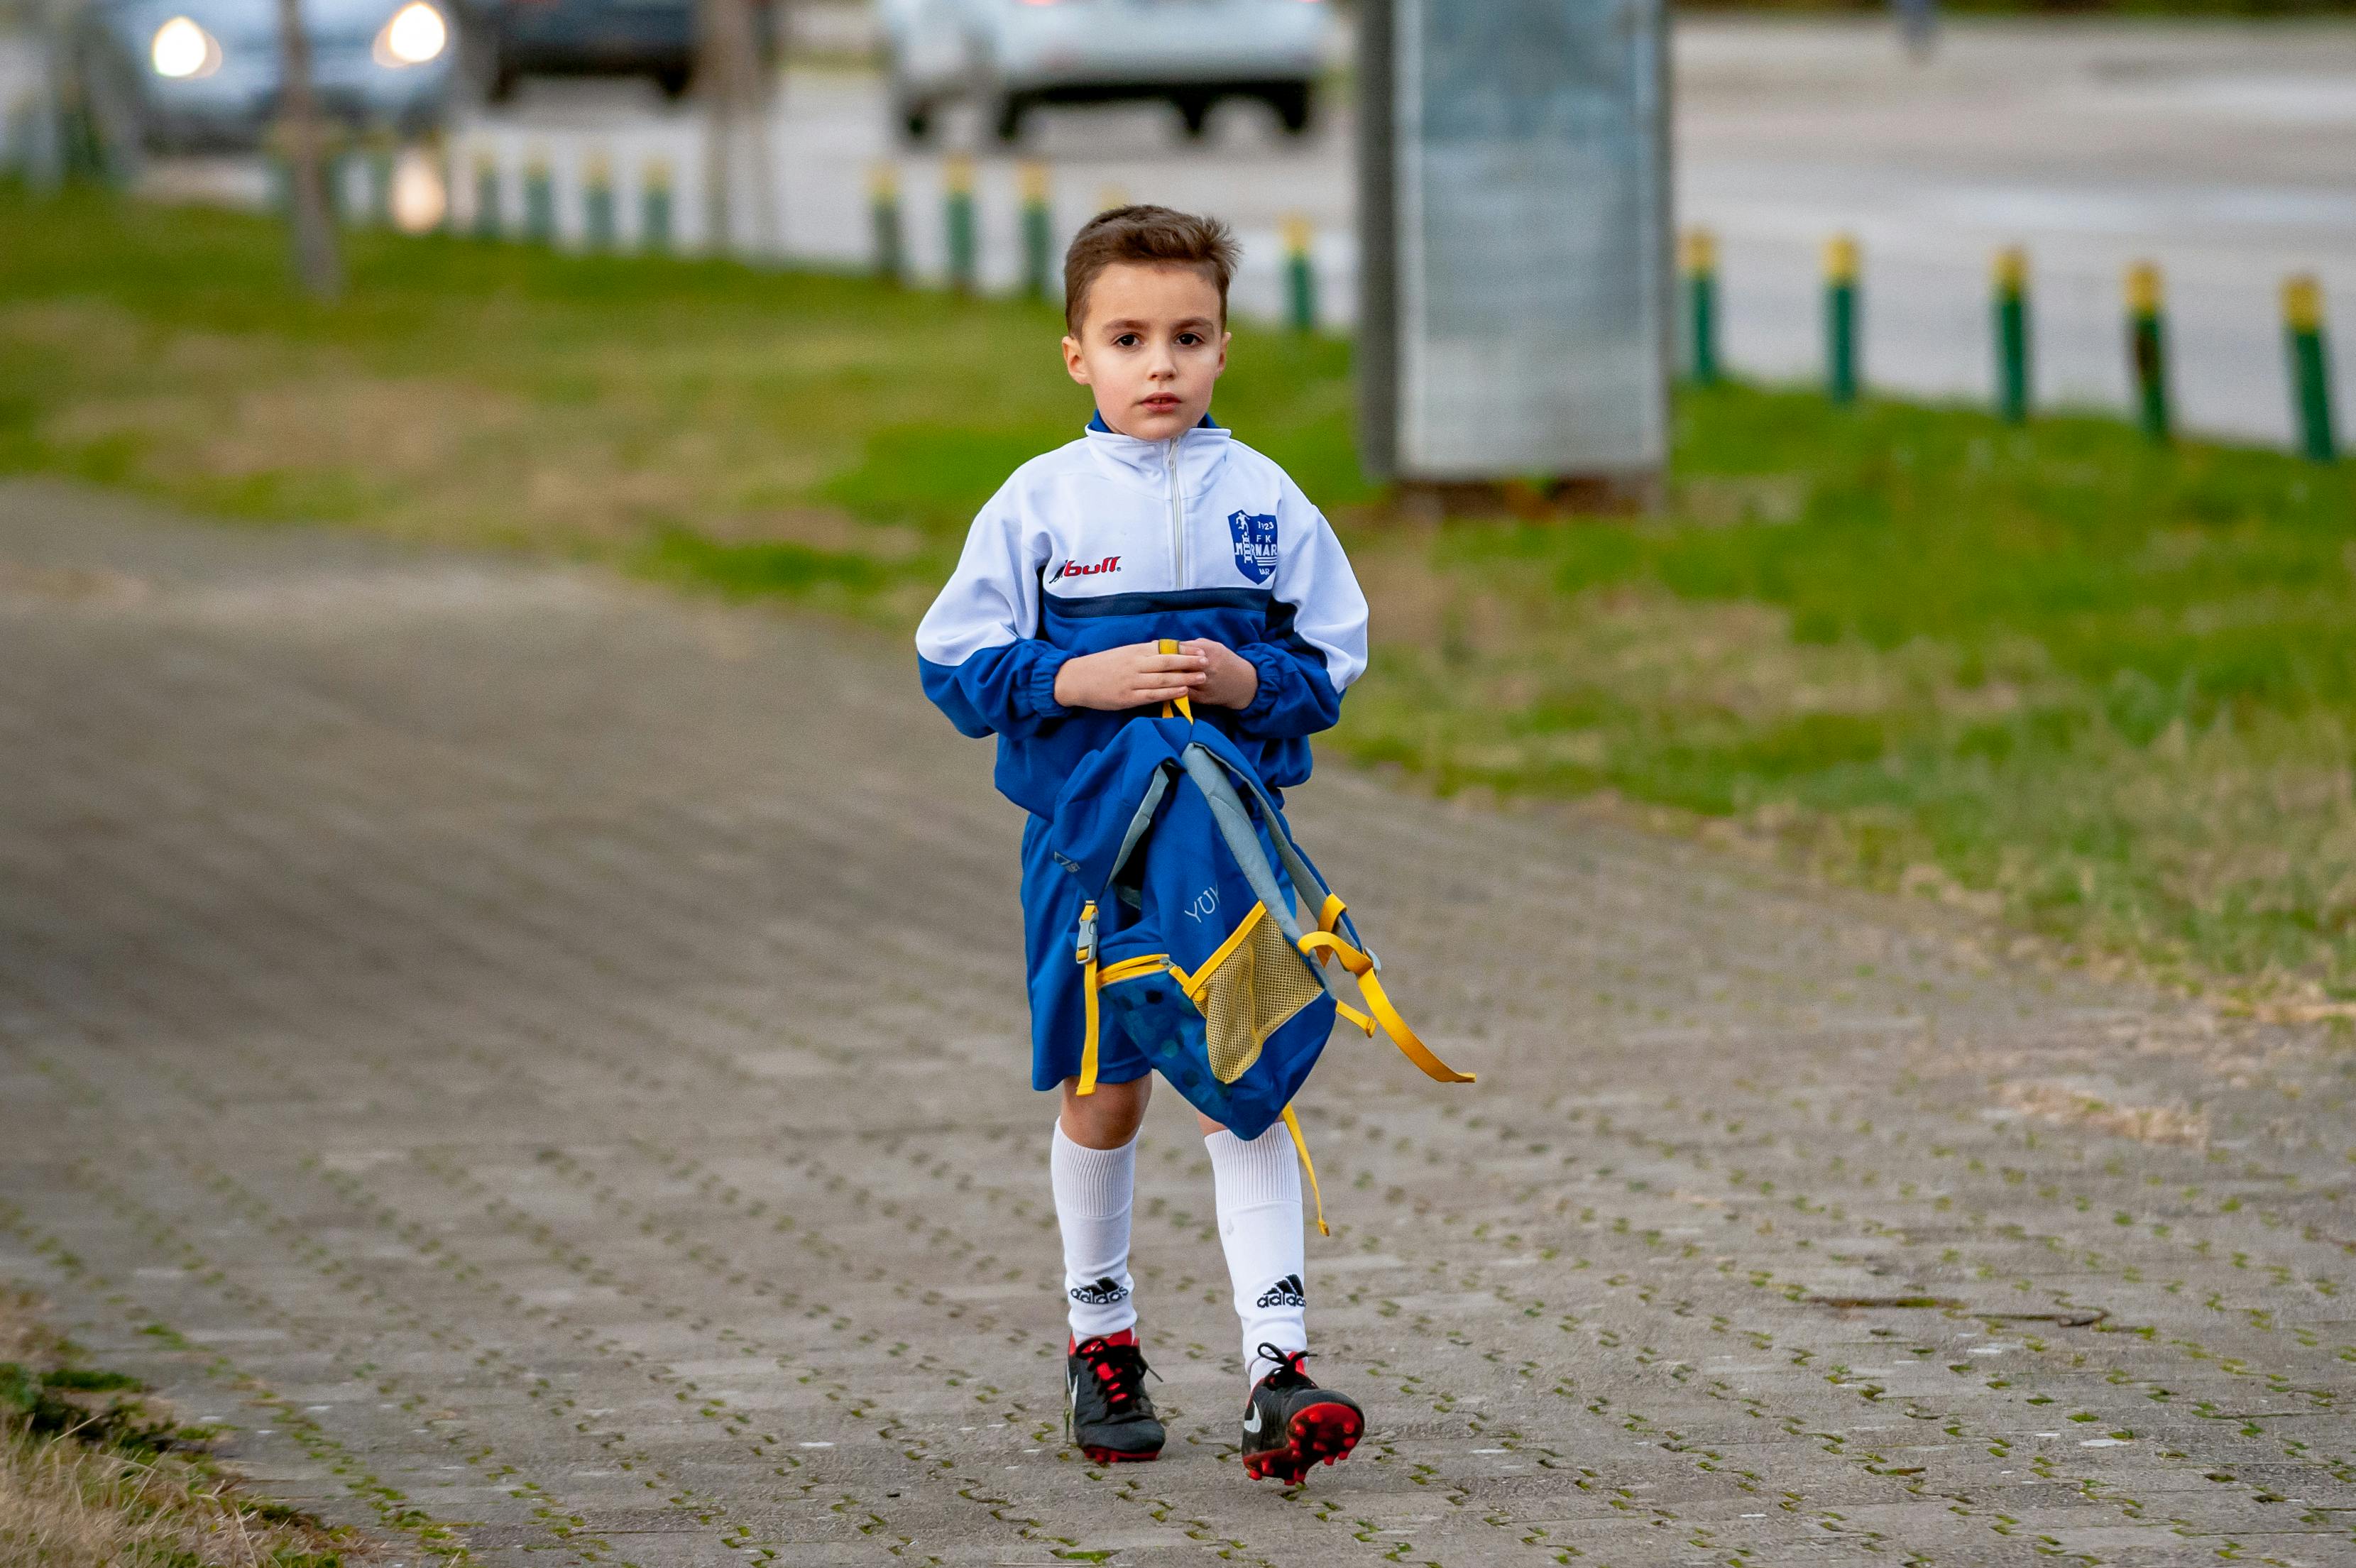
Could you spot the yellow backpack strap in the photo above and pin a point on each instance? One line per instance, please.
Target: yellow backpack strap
(1087, 957)
(1322, 945)
(1300, 1147)
(1185, 706)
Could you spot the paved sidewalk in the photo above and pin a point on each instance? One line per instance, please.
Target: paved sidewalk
(544, 1059)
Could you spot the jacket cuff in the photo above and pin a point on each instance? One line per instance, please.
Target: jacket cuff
(1271, 661)
(1039, 687)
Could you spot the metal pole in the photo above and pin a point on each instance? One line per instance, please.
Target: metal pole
(2147, 348)
(2310, 367)
(1038, 231)
(1840, 318)
(957, 218)
(1300, 275)
(2012, 333)
(317, 264)
(1701, 295)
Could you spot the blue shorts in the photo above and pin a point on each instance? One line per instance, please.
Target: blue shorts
(1059, 1021)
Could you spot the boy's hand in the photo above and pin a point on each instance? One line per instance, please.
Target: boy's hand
(1231, 681)
(1134, 677)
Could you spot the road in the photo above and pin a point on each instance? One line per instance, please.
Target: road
(2221, 151)
(543, 1060)
(2223, 154)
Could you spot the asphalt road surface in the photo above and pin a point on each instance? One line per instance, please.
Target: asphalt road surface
(544, 1060)
(2224, 153)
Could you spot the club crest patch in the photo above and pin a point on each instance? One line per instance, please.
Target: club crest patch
(1255, 537)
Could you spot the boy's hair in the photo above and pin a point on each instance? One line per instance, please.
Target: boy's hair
(1147, 236)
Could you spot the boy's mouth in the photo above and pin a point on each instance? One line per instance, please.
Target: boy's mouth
(1159, 403)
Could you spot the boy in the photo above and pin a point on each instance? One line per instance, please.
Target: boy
(1154, 524)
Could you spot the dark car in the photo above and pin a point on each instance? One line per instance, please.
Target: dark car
(502, 41)
(156, 75)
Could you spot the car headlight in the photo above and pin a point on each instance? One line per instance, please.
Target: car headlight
(416, 34)
(183, 52)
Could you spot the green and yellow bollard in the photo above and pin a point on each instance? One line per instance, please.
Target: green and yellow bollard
(1701, 304)
(598, 202)
(1038, 231)
(2310, 367)
(957, 220)
(487, 221)
(2011, 315)
(884, 208)
(1300, 275)
(1841, 318)
(2147, 349)
(539, 200)
(654, 220)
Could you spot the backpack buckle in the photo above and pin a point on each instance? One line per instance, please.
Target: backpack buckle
(1087, 948)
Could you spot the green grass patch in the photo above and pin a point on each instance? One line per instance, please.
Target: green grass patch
(94, 1473)
(2104, 690)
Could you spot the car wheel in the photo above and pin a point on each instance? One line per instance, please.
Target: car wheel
(916, 117)
(674, 80)
(1292, 103)
(1195, 111)
(1012, 109)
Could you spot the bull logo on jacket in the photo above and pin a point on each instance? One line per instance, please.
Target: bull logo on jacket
(1255, 537)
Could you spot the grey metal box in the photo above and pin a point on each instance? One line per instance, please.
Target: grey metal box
(1515, 212)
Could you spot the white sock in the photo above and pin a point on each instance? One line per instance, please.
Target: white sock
(1258, 1187)
(1094, 1189)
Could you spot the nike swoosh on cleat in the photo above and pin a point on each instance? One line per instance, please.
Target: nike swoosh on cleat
(1251, 1421)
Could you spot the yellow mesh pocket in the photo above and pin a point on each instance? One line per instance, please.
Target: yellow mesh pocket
(1251, 986)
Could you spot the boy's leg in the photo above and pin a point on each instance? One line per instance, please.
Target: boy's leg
(1290, 1422)
(1094, 1169)
(1258, 1194)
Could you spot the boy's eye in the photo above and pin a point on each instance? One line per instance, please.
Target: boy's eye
(1126, 340)
(1188, 339)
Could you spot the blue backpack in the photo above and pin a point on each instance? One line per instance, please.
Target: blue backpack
(1188, 933)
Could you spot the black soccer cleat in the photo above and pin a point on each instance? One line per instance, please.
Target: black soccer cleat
(1291, 1425)
(1106, 1410)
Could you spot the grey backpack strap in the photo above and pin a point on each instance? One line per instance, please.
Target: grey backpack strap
(1141, 822)
(1305, 880)
(1234, 818)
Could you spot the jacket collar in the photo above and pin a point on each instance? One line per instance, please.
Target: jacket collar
(1145, 465)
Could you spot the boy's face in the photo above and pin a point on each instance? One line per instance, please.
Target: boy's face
(1152, 345)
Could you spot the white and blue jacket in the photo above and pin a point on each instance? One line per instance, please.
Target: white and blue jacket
(1112, 540)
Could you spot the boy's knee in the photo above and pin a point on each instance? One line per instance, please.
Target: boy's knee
(1107, 1119)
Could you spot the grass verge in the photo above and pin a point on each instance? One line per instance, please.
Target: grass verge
(2103, 690)
(95, 1475)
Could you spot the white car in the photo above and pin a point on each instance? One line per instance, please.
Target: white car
(1013, 55)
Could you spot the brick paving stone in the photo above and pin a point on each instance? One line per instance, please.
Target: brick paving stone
(543, 1060)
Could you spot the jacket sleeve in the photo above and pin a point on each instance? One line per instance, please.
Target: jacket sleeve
(979, 664)
(1316, 644)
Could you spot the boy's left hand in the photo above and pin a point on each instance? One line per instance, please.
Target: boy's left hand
(1231, 680)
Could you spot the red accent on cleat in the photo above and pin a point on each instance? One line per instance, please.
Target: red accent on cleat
(1321, 1435)
(1112, 1456)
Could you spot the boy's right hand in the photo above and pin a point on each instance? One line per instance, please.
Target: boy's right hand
(1132, 677)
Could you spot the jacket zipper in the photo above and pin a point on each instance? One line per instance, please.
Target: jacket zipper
(1177, 518)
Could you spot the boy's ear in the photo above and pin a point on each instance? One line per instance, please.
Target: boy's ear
(1076, 367)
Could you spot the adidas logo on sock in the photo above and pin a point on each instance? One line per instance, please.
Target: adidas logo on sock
(1286, 1292)
(1104, 1293)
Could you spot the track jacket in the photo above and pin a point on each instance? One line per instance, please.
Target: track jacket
(1112, 541)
